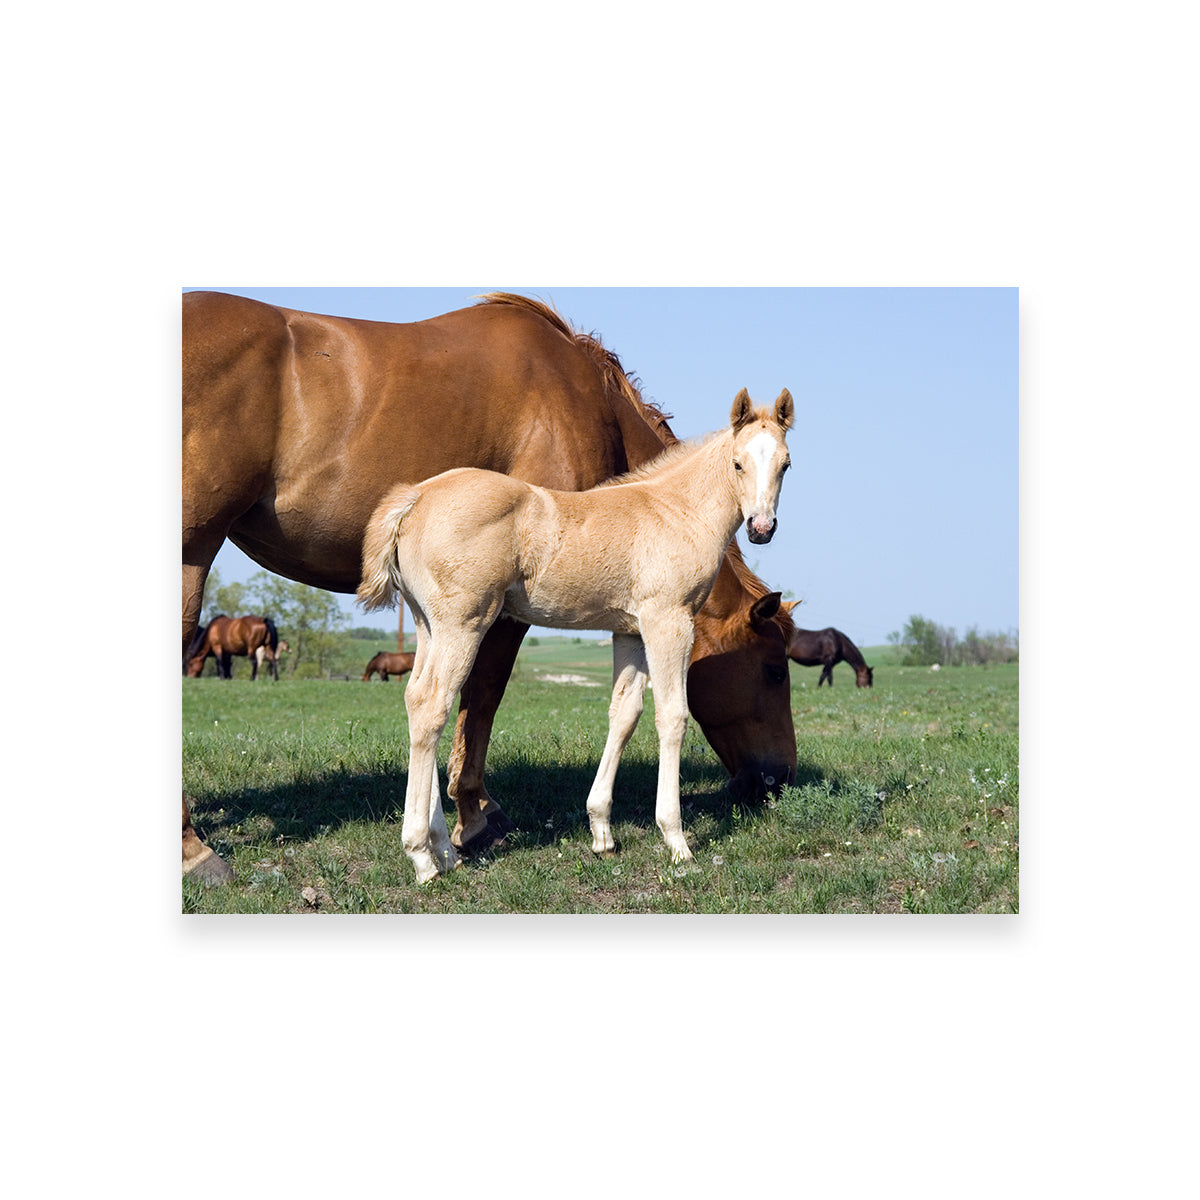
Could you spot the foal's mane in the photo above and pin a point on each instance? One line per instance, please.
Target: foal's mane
(661, 463)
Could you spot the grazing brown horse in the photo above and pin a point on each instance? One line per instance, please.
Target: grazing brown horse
(388, 664)
(295, 426)
(637, 556)
(826, 648)
(255, 638)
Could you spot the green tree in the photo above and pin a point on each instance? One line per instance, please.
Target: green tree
(924, 643)
(309, 619)
(227, 598)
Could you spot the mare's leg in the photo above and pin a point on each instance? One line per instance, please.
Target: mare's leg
(629, 688)
(480, 819)
(826, 675)
(668, 646)
(254, 661)
(225, 664)
(194, 575)
(198, 859)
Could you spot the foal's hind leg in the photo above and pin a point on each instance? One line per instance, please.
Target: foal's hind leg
(444, 657)
(629, 688)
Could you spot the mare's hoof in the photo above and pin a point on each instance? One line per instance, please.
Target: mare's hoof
(498, 823)
(209, 868)
(483, 841)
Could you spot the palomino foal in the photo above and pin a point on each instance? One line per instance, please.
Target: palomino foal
(637, 556)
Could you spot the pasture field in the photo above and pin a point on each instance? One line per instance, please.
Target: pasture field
(906, 799)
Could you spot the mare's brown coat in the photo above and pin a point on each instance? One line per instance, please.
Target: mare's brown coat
(295, 425)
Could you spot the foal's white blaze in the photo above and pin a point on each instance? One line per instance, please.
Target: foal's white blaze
(760, 449)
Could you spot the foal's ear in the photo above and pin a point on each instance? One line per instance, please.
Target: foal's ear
(785, 410)
(743, 410)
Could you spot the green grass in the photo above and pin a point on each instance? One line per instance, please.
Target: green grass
(905, 801)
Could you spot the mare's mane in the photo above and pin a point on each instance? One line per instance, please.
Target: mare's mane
(629, 386)
(607, 363)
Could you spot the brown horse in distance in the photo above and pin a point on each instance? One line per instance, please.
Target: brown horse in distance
(389, 664)
(255, 638)
(826, 648)
(295, 425)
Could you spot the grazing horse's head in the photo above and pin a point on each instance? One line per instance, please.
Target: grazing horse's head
(738, 686)
(760, 457)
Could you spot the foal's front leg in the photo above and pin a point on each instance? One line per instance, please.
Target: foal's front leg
(668, 648)
(629, 687)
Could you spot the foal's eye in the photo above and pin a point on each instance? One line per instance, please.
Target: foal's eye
(737, 466)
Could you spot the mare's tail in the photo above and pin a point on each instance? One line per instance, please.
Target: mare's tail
(381, 565)
(272, 634)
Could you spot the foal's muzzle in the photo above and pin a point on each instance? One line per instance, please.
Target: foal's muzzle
(758, 531)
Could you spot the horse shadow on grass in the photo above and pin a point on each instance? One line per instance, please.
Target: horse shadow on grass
(544, 803)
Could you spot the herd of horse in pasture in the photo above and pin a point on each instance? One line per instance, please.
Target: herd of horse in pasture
(823, 648)
(493, 461)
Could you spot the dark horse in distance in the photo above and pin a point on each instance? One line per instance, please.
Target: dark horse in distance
(255, 638)
(389, 664)
(295, 425)
(826, 648)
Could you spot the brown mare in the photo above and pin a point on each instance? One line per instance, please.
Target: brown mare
(637, 556)
(826, 648)
(255, 638)
(295, 426)
(388, 664)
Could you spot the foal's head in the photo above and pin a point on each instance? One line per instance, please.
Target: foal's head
(760, 457)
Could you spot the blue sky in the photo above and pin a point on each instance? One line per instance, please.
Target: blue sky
(903, 497)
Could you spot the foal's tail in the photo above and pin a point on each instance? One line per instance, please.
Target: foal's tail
(381, 566)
